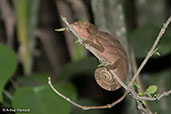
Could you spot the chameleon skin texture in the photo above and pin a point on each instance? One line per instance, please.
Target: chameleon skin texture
(107, 47)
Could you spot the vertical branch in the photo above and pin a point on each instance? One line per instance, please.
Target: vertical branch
(135, 68)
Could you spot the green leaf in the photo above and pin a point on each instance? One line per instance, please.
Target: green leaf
(164, 25)
(141, 93)
(162, 79)
(149, 95)
(43, 100)
(137, 85)
(151, 89)
(8, 64)
(156, 95)
(61, 29)
(101, 65)
(78, 41)
(79, 52)
(143, 101)
(157, 53)
(33, 79)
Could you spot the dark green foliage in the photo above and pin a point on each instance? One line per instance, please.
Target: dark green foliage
(42, 100)
(8, 64)
(143, 39)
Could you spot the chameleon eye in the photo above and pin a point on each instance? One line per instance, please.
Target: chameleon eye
(92, 29)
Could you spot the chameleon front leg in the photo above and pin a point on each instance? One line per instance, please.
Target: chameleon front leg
(96, 44)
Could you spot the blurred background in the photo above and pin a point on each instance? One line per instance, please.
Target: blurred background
(31, 51)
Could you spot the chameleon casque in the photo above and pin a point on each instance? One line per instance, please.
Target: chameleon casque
(109, 49)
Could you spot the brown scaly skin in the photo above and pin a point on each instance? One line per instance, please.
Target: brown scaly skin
(107, 47)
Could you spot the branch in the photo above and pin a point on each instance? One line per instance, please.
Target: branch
(134, 64)
(155, 98)
(86, 107)
(126, 87)
(150, 53)
(64, 97)
(143, 108)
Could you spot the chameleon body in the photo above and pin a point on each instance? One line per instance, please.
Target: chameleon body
(107, 47)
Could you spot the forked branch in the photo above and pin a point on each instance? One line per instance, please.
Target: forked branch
(150, 53)
(126, 87)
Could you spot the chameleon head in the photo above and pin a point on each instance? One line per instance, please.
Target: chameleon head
(84, 29)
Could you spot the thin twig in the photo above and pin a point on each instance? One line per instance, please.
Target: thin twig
(150, 53)
(142, 108)
(155, 98)
(134, 64)
(86, 107)
(64, 97)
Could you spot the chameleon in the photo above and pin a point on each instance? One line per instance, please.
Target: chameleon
(109, 49)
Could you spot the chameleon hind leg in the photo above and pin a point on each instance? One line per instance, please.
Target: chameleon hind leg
(114, 65)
